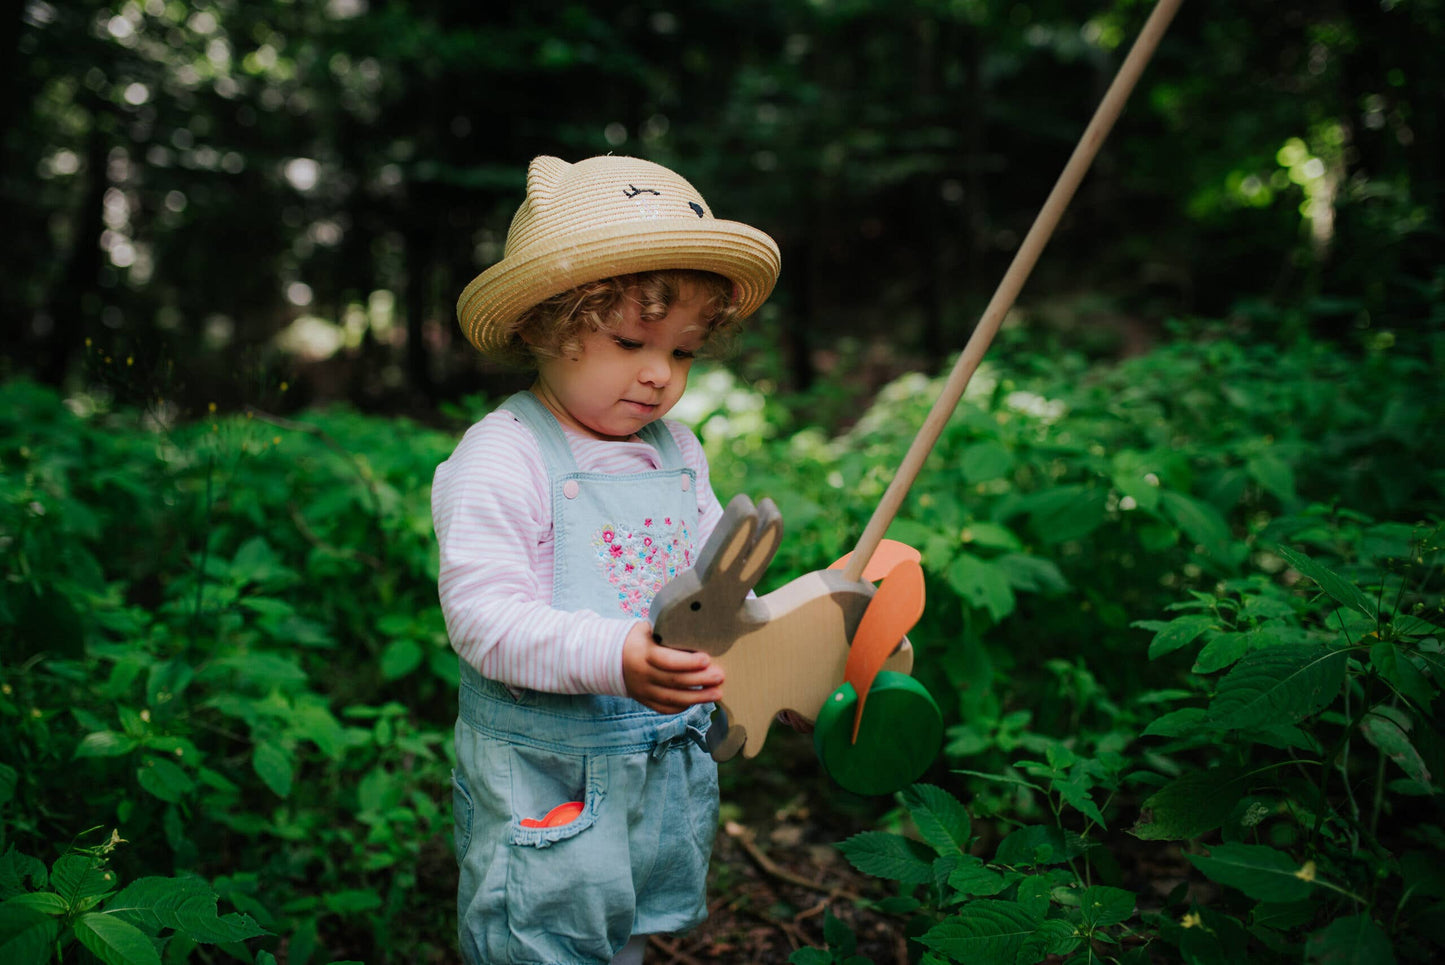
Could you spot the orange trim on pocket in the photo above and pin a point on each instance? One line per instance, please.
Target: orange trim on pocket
(555, 818)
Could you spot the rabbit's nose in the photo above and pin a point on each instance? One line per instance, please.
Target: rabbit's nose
(656, 637)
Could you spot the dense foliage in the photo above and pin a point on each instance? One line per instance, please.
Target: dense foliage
(1185, 612)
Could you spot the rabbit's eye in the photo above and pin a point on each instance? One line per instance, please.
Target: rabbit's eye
(696, 605)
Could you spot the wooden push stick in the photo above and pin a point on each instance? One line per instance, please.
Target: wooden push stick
(1013, 280)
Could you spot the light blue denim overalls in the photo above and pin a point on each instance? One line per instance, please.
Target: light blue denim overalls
(635, 860)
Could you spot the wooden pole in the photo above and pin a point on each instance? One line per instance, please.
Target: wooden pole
(1013, 280)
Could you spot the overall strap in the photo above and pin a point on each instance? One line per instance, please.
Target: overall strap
(550, 436)
(530, 411)
(656, 434)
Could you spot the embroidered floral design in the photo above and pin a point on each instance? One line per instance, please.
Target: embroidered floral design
(638, 561)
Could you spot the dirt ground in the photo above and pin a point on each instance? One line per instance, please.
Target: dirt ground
(776, 870)
(768, 899)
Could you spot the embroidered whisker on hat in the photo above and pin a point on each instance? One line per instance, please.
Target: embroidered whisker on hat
(603, 217)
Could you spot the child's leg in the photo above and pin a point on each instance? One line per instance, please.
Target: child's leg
(631, 953)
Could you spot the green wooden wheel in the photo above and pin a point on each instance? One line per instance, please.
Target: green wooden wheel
(901, 733)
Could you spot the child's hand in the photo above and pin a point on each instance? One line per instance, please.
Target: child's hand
(666, 680)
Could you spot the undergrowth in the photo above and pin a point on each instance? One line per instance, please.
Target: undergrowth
(1183, 623)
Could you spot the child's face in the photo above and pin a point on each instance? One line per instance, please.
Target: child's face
(622, 380)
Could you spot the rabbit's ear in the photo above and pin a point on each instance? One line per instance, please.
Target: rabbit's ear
(769, 530)
(729, 540)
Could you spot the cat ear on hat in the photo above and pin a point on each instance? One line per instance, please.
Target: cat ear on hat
(544, 174)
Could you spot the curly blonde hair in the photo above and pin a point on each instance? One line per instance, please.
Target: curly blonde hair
(557, 326)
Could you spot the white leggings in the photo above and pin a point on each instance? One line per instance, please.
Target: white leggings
(631, 953)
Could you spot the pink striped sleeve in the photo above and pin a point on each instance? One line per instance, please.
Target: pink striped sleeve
(709, 511)
(493, 524)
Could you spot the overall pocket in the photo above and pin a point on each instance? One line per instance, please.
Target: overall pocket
(569, 890)
(545, 783)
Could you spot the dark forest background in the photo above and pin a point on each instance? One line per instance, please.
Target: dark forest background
(230, 195)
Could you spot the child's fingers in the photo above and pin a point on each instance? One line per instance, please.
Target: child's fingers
(666, 680)
(667, 700)
(671, 693)
(696, 688)
(676, 661)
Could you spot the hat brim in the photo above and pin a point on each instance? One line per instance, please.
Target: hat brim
(490, 306)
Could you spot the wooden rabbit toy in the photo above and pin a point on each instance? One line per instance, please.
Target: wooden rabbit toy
(787, 650)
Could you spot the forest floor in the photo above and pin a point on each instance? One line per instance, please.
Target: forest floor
(776, 870)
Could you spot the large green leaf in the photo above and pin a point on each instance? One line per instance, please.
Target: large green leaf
(1354, 940)
(45, 902)
(1278, 685)
(987, 460)
(1399, 671)
(273, 765)
(27, 935)
(105, 743)
(1039, 844)
(1224, 649)
(1272, 473)
(1135, 475)
(1062, 513)
(1032, 574)
(1259, 871)
(1388, 728)
(1184, 722)
(352, 901)
(185, 904)
(16, 869)
(1100, 905)
(885, 855)
(1193, 804)
(982, 584)
(940, 817)
(1340, 589)
(972, 877)
(164, 779)
(988, 932)
(1059, 937)
(1202, 523)
(76, 877)
(115, 942)
(399, 658)
(1170, 635)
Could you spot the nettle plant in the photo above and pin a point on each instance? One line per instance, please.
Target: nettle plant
(172, 612)
(1294, 789)
(1030, 901)
(1306, 773)
(80, 900)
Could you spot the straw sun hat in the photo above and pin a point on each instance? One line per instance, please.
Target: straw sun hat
(602, 217)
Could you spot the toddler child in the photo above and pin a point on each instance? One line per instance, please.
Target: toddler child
(585, 800)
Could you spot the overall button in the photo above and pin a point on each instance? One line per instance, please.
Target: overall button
(686, 483)
(570, 489)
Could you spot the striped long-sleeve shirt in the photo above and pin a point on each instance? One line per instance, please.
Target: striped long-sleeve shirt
(493, 520)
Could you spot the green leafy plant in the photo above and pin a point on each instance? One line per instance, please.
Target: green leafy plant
(80, 900)
(176, 677)
(1029, 901)
(1313, 778)
(1305, 788)
(1178, 607)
